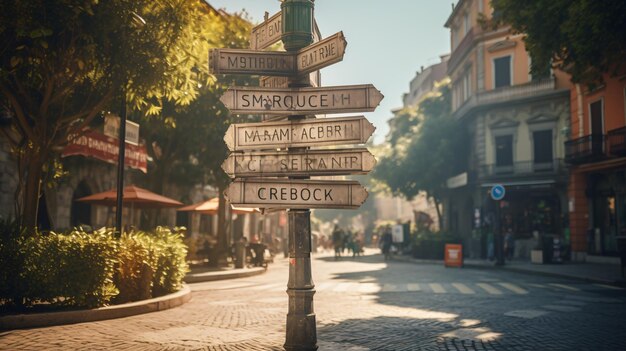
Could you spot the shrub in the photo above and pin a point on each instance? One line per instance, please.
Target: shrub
(81, 269)
(12, 258)
(171, 266)
(75, 269)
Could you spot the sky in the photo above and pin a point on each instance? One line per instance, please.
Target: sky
(388, 41)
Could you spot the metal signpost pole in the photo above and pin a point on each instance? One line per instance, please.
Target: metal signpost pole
(297, 28)
(120, 166)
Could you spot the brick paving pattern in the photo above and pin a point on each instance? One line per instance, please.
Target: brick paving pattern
(366, 304)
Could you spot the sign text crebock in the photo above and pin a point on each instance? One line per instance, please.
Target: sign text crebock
(265, 193)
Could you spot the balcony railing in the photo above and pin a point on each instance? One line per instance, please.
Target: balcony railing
(616, 142)
(507, 95)
(525, 168)
(585, 149)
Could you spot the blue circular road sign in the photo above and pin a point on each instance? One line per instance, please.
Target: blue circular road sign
(497, 192)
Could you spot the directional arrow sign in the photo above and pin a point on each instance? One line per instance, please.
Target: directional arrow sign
(242, 61)
(266, 33)
(299, 133)
(339, 99)
(265, 193)
(309, 59)
(302, 163)
(321, 54)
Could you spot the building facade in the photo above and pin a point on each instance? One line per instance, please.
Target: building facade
(596, 152)
(517, 125)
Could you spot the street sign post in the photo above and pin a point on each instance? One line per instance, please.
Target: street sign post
(299, 163)
(497, 192)
(299, 101)
(267, 33)
(273, 63)
(298, 133)
(296, 194)
(285, 91)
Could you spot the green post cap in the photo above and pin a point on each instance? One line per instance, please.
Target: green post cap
(297, 23)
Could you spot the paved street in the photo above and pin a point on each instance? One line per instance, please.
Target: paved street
(367, 304)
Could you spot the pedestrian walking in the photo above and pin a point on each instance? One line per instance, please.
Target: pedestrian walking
(386, 242)
(337, 241)
(509, 244)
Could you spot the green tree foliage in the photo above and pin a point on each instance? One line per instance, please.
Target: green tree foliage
(585, 38)
(427, 153)
(62, 62)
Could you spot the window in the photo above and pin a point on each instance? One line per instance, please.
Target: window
(542, 145)
(502, 72)
(504, 151)
(597, 122)
(466, 23)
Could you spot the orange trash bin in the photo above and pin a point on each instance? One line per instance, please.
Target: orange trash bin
(453, 256)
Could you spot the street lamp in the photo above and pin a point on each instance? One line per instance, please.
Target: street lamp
(139, 22)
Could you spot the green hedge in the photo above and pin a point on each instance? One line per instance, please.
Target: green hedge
(87, 270)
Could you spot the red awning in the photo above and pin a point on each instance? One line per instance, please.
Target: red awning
(102, 147)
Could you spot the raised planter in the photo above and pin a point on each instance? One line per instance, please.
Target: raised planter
(37, 320)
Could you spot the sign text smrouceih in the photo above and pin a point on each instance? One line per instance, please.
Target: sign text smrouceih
(301, 163)
(338, 99)
(269, 193)
(266, 33)
(299, 133)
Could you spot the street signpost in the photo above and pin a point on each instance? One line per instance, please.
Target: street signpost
(267, 33)
(298, 133)
(280, 149)
(274, 63)
(299, 163)
(300, 101)
(298, 194)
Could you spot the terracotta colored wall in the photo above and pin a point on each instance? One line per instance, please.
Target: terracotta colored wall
(613, 95)
(578, 219)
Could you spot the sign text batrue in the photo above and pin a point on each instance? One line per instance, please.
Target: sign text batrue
(268, 193)
(300, 163)
(338, 99)
(298, 133)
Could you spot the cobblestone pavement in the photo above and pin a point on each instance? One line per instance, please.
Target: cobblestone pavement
(367, 304)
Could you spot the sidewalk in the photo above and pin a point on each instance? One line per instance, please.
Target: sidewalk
(197, 274)
(591, 272)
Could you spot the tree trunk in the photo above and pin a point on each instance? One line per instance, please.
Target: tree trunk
(32, 190)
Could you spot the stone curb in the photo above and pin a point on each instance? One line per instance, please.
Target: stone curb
(515, 269)
(37, 320)
(213, 276)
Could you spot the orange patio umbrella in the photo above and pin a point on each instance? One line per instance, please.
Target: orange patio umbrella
(133, 196)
